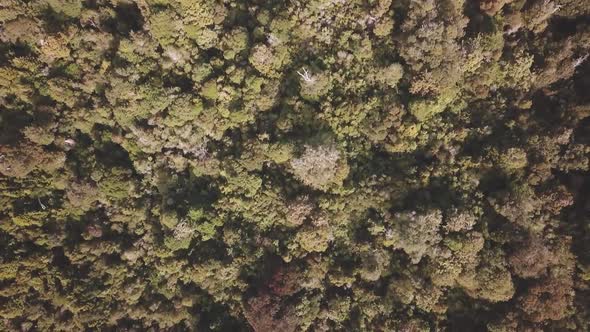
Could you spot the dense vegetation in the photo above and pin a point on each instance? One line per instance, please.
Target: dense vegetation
(294, 165)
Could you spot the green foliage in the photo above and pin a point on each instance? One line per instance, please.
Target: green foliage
(114, 184)
(69, 8)
(266, 60)
(416, 234)
(312, 165)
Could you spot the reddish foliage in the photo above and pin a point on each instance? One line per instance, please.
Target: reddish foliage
(531, 259)
(285, 281)
(266, 313)
(549, 299)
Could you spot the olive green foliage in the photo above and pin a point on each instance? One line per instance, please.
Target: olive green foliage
(310, 165)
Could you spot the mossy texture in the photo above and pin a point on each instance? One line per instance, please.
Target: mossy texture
(310, 165)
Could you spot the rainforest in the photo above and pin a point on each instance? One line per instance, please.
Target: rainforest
(295, 165)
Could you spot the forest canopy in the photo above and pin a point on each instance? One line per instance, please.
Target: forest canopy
(294, 165)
